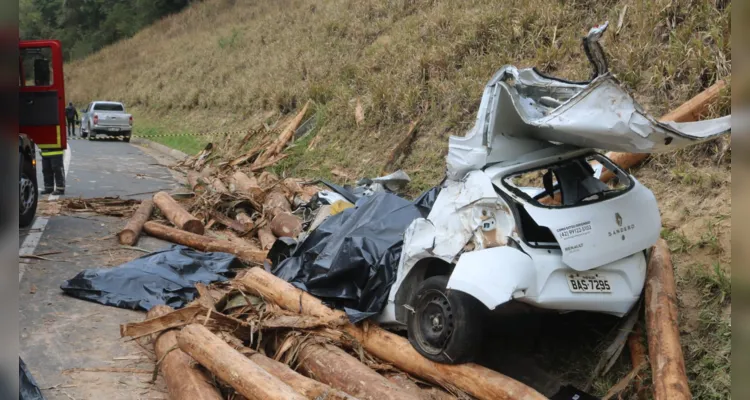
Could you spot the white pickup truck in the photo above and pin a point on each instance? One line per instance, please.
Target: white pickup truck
(106, 118)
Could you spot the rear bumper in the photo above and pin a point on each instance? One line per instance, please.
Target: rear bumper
(108, 132)
(497, 275)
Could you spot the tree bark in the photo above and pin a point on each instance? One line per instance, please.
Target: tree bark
(667, 363)
(129, 235)
(334, 367)
(305, 386)
(245, 376)
(689, 111)
(266, 237)
(185, 381)
(637, 357)
(204, 243)
(433, 393)
(177, 215)
(476, 380)
(248, 185)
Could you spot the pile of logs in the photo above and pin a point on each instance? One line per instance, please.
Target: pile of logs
(262, 338)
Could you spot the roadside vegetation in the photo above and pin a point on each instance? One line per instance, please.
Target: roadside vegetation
(222, 65)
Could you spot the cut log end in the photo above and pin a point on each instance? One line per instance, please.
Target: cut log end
(194, 226)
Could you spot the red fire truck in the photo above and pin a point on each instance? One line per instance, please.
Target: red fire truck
(41, 115)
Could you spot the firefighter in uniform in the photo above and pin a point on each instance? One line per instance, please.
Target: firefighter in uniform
(53, 171)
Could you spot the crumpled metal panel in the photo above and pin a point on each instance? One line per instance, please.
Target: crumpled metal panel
(522, 111)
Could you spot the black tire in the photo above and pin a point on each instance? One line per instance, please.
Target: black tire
(28, 193)
(446, 326)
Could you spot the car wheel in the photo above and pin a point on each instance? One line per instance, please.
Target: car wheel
(28, 195)
(92, 136)
(446, 326)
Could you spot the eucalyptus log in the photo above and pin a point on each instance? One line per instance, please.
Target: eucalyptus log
(185, 381)
(662, 327)
(333, 366)
(204, 243)
(245, 376)
(177, 215)
(129, 235)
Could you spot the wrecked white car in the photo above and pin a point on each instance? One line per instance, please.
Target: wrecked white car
(523, 218)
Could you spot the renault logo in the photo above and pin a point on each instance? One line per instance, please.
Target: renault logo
(618, 219)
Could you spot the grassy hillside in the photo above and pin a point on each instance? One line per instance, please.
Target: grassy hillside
(224, 65)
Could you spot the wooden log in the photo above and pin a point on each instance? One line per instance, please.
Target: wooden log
(286, 225)
(305, 386)
(334, 367)
(691, 110)
(176, 214)
(204, 243)
(665, 353)
(185, 381)
(406, 384)
(196, 182)
(637, 357)
(129, 235)
(247, 185)
(473, 379)
(266, 237)
(277, 203)
(283, 138)
(245, 376)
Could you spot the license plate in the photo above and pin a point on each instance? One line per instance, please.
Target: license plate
(588, 283)
(114, 129)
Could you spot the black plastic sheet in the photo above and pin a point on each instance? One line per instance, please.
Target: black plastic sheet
(167, 276)
(27, 386)
(350, 260)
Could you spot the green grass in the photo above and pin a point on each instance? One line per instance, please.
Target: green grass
(189, 144)
(708, 351)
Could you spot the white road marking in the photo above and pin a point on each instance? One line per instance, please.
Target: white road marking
(32, 239)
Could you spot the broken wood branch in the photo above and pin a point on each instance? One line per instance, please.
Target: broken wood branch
(402, 145)
(177, 215)
(281, 142)
(129, 235)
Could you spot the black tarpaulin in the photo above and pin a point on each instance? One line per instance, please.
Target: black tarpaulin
(350, 260)
(27, 386)
(167, 276)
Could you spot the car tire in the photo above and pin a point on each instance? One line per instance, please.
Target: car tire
(446, 326)
(28, 192)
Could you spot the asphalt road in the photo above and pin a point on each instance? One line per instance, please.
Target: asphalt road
(61, 335)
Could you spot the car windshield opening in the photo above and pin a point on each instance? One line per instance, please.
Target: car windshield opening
(570, 183)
